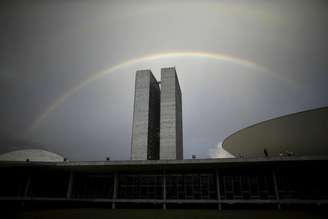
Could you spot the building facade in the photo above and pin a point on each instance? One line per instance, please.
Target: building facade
(224, 184)
(171, 139)
(157, 117)
(145, 131)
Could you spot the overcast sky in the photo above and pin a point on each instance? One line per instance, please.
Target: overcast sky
(67, 69)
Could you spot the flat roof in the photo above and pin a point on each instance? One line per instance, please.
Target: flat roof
(160, 164)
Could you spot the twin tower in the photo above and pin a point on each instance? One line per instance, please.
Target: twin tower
(157, 117)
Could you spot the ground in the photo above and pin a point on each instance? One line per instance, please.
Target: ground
(159, 214)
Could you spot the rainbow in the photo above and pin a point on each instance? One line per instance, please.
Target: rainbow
(214, 56)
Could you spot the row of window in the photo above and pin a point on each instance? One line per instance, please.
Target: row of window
(290, 184)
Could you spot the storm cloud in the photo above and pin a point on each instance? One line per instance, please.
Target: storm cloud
(67, 69)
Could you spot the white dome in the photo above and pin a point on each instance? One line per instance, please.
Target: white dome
(31, 155)
(303, 133)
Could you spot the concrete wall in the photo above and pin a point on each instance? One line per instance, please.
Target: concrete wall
(146, 110)
(157, 117)
(171, 116)
(179, 129)
(154, 119)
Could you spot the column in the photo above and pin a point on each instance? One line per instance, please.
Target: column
(276, 187)
(115, 191)
(218, 189)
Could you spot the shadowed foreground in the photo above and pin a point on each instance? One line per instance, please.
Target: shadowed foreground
(158, 214)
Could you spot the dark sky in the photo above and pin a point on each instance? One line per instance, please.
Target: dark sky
(67, 69)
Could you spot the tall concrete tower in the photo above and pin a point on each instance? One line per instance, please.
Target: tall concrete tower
(146, 114)
(171, 141)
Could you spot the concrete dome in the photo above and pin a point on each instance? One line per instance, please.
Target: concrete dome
(302, 133)
(32, 155)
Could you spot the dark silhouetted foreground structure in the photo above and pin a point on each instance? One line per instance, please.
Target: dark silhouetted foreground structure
(269, 183)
